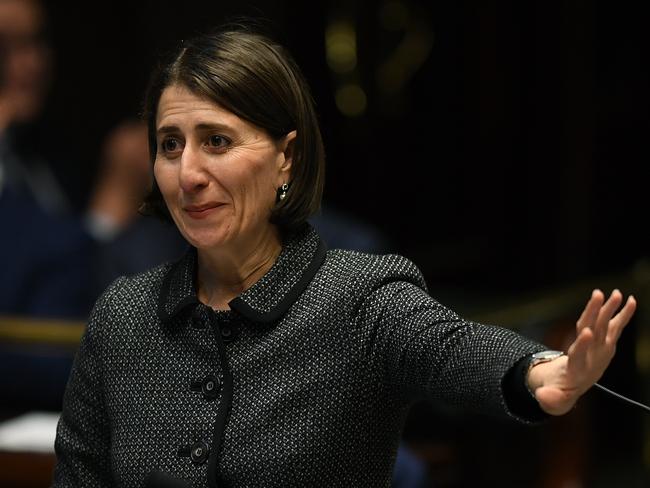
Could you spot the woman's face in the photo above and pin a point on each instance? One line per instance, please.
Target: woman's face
(218, 173)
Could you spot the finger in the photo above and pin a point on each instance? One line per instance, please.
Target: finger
(577, 353)
(605, 315)
(590, 313)
(620, 320)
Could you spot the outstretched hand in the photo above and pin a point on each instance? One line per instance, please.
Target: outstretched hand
(559, 383)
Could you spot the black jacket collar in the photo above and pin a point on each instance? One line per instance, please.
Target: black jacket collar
(268, 299)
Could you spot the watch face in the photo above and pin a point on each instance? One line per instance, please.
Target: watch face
(547, 355)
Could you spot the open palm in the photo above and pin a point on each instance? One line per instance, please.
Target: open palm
(558, 384)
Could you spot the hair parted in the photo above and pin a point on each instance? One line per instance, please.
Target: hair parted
(256, 79)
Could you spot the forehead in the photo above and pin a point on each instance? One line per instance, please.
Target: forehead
(179, 106)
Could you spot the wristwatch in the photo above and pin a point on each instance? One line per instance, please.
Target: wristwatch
(539, 358)
(543, 357)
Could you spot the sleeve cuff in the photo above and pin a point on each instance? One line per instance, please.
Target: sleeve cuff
(519, 399)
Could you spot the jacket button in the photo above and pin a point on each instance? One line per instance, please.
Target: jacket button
(228, 332)
(210, 387)
(199, 452)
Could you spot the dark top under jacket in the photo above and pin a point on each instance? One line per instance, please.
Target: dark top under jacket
(306, 381)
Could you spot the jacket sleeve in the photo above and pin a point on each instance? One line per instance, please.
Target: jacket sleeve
(422, 348)
(83, 437)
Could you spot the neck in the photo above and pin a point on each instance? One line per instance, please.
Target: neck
(224, 274)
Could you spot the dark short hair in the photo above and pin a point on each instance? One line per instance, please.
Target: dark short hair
(256, 79)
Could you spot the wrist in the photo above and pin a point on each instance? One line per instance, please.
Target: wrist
(538, 367)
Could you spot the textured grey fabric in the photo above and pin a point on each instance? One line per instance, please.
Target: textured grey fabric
(316, 378)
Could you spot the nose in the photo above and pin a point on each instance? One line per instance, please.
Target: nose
(192, 176)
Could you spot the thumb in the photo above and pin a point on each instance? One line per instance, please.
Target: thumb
(555, 401)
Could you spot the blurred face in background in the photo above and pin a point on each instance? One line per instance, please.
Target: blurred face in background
(24, 60)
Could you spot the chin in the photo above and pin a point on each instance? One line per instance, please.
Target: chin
(207, 238)
(207, 242)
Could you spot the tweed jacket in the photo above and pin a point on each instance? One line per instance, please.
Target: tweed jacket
(305, 382)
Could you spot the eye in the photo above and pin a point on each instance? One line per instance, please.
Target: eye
(170, 145)
(218, 142)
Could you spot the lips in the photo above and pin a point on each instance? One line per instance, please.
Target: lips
(201, 211)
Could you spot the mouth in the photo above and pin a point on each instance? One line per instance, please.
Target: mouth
(201, 211)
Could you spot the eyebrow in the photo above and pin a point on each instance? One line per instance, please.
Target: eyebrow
(167, 129)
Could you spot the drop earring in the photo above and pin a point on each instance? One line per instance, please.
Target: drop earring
(282, 192)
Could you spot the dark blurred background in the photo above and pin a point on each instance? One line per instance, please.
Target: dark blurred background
(499, 145)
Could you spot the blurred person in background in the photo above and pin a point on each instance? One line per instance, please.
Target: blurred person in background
(43, 248)
(56, 261)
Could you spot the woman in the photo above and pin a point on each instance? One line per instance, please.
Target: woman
(261, 359)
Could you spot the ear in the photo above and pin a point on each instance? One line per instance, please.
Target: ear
(286, 146)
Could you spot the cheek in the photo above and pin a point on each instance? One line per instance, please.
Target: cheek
(249, 178)
(166, 180)
(261, 188)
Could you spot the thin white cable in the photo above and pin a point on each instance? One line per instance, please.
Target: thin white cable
(624, 398)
